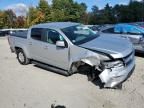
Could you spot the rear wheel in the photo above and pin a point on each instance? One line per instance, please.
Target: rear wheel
(22, 57)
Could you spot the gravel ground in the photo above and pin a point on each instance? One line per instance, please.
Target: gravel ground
(33, 87)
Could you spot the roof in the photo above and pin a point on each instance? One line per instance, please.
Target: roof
(56, 25)
(128, 27)
(131, 24)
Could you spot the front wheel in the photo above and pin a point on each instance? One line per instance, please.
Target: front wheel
(22, 57)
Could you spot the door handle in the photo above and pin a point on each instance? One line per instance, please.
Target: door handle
(123, 36)
(30, 43)
(126, 37)
(46, 47)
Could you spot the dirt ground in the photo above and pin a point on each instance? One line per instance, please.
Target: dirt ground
(33, 87)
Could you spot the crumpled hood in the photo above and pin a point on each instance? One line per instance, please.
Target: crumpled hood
(115, 46)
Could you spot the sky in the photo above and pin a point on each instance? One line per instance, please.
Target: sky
(21, 6)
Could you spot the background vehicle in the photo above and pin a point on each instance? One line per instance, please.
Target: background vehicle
(141, 24)
(68, 48)
(93, 27)
(133, 32)
(5, 32)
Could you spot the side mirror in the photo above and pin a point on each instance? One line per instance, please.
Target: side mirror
(60, 44)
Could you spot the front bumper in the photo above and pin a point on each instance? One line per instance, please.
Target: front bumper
(115, 76)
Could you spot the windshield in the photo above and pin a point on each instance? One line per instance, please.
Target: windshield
(79, 34)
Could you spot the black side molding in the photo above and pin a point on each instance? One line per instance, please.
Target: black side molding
(51, 68)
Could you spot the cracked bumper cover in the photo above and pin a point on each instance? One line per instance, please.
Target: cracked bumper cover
(114, 76)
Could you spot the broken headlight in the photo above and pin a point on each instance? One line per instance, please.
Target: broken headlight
(112, 64)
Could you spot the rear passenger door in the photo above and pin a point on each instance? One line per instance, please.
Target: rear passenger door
(35, 44)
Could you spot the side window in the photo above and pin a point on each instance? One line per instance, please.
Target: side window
(36, 33)
(110, 30)
(125, 30)
(118, 29)
(134, 31)
(53, 36)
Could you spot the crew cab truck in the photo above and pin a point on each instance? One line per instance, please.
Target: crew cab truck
(67, 48)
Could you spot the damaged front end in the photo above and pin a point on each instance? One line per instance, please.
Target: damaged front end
(117, 71)
(111, 72)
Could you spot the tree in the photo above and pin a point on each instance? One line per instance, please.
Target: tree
(62, 4)
(57, 15)
(95, 9)
(66, 6)
(10, 19)
(137, 10)
(2, 17)
(83, 14)
(109, 14)
(44, 8)
(20, 22)
(98, 16)
(71, 10)
(34, 16)
(93, 15)
(133, 12)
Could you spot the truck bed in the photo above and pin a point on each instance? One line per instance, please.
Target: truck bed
(18, 39)
(22, 34)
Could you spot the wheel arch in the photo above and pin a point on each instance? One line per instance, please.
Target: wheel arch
(24, 49)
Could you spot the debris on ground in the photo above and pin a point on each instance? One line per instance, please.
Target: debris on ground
(58, 106)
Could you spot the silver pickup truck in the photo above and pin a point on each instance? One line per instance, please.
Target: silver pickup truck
(68, 48)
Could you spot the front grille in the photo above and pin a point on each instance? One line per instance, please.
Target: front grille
(128, 59)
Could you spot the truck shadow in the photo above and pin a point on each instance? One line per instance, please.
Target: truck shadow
(96, 81)
(2, 36)
(139, 54)
(49, 70)
(58, 106)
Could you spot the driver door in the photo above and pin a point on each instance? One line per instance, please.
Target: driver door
(53, 55)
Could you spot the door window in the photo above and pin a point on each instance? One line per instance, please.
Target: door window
(131, 31)
(53, 36)
(109, 30)
(134, 31)
(112, 30)
(46, 35)
(118, 29)
(36, 33)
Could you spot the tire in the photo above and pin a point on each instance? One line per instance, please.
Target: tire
(22, 57)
